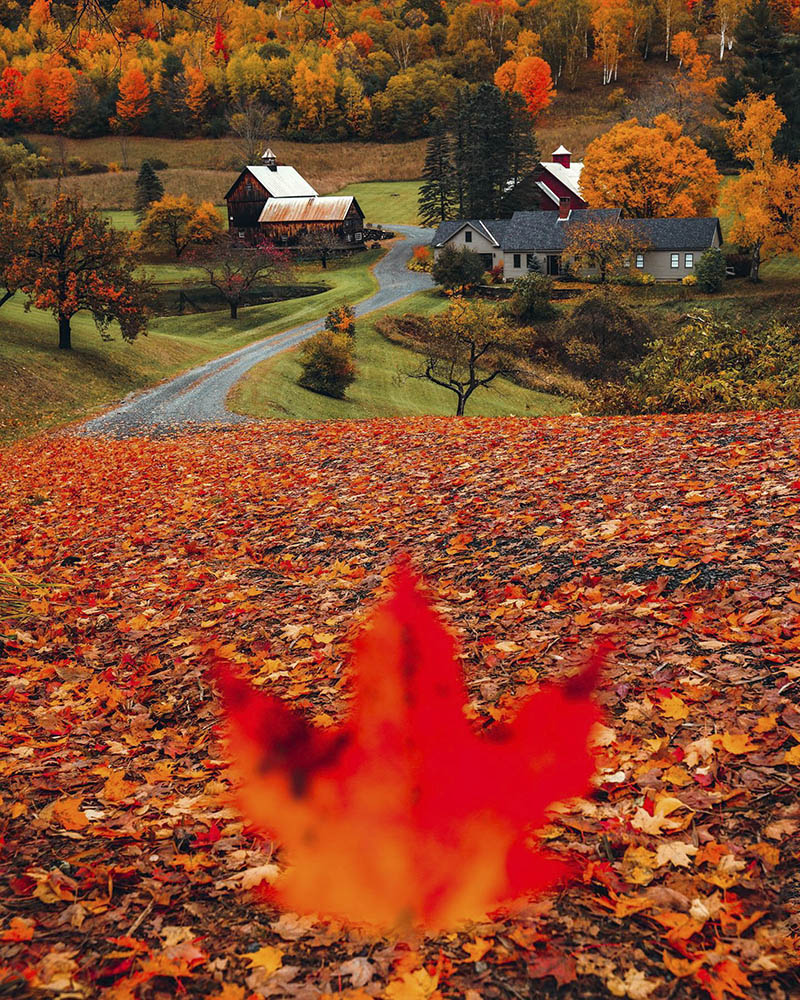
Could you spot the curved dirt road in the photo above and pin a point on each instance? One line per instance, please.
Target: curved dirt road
(198, 396)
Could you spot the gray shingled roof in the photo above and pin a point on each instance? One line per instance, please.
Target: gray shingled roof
(497, 227)
(676, 234)
(544, 231)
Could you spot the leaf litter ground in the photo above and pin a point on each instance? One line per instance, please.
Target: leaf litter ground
(127, 869)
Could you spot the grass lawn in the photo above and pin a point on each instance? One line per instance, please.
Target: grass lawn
(382, 388)
(387, 201)
(42, 387)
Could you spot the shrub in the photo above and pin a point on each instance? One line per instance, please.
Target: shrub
(496, 274)
(648, 279)
(711, 270)
(689, 280)
(158, 164)
(421, 259)
(341, 319)
(328, 364)
(711, 366)
(617, 332)
(454, 269)
(530, 298)
(582, 354)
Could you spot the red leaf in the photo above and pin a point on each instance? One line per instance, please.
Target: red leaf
(405, 811)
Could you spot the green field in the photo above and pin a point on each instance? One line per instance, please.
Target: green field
(382, 388)
(42, 387)
(387, 202)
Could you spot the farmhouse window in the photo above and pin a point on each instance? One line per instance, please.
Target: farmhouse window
(468, 237)
(675, 260)
(688, 260)
(517, 260)
(640, 260)
(530, 261)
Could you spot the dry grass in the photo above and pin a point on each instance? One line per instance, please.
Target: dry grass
(328, 166)
(115, 191)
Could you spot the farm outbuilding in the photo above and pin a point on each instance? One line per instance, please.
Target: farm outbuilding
(288, 221)
(275, 202)
(254, 187)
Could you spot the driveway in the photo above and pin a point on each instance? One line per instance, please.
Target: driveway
(199, 396)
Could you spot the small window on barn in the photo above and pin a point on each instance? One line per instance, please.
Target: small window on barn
(241, 234)
(468, 236)
(675, 260)
(640, 260)
(517, 260)
(359, 236)
(688, 260)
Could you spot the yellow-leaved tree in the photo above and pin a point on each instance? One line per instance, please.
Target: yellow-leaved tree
(764, 200)
(175, 223)
(649, 171)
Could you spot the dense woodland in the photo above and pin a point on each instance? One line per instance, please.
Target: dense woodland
(334, 70)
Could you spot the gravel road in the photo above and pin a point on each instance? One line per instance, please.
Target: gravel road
(198, 397)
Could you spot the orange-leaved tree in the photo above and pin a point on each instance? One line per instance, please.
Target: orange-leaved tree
(61, 97)
(764, 200)
(132, 105)
(175, 223)
(649, 171)
(606, 247)
(67, 258)
(530, 77)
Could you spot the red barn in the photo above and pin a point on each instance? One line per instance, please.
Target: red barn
(559, 182)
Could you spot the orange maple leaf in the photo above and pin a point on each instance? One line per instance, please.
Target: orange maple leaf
(405, 814)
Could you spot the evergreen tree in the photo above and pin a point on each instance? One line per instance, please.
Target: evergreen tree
(494, 147)
(437, 195)
(767, 61)
(148, 189)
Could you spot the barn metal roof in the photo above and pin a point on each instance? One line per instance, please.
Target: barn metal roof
(330, 209)
(282, 182)
(569, 176)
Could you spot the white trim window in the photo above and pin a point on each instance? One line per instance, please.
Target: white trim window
(640, 261)
(467, 236)
(675, 260)
(688, 261)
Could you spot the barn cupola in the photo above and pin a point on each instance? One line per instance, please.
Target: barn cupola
(270, 160)
(562, 155)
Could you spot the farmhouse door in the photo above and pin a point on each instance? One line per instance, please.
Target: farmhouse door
(553, 264)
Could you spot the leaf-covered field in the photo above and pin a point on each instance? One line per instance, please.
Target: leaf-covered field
(127, 870)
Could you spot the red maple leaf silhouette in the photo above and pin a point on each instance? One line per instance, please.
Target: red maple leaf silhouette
(405, 813)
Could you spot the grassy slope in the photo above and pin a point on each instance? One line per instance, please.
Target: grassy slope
(42, 387)
(387, 201)
(382, 388)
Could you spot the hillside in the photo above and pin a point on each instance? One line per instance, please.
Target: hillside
(134, 875)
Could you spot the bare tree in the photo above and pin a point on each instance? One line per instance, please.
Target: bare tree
(252, 124)
(321, 242)
(233, 270)
(467, 348)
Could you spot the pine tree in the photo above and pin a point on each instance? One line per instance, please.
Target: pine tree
(437, 194)
(494, 146)
(148, 189)
(767, 62)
